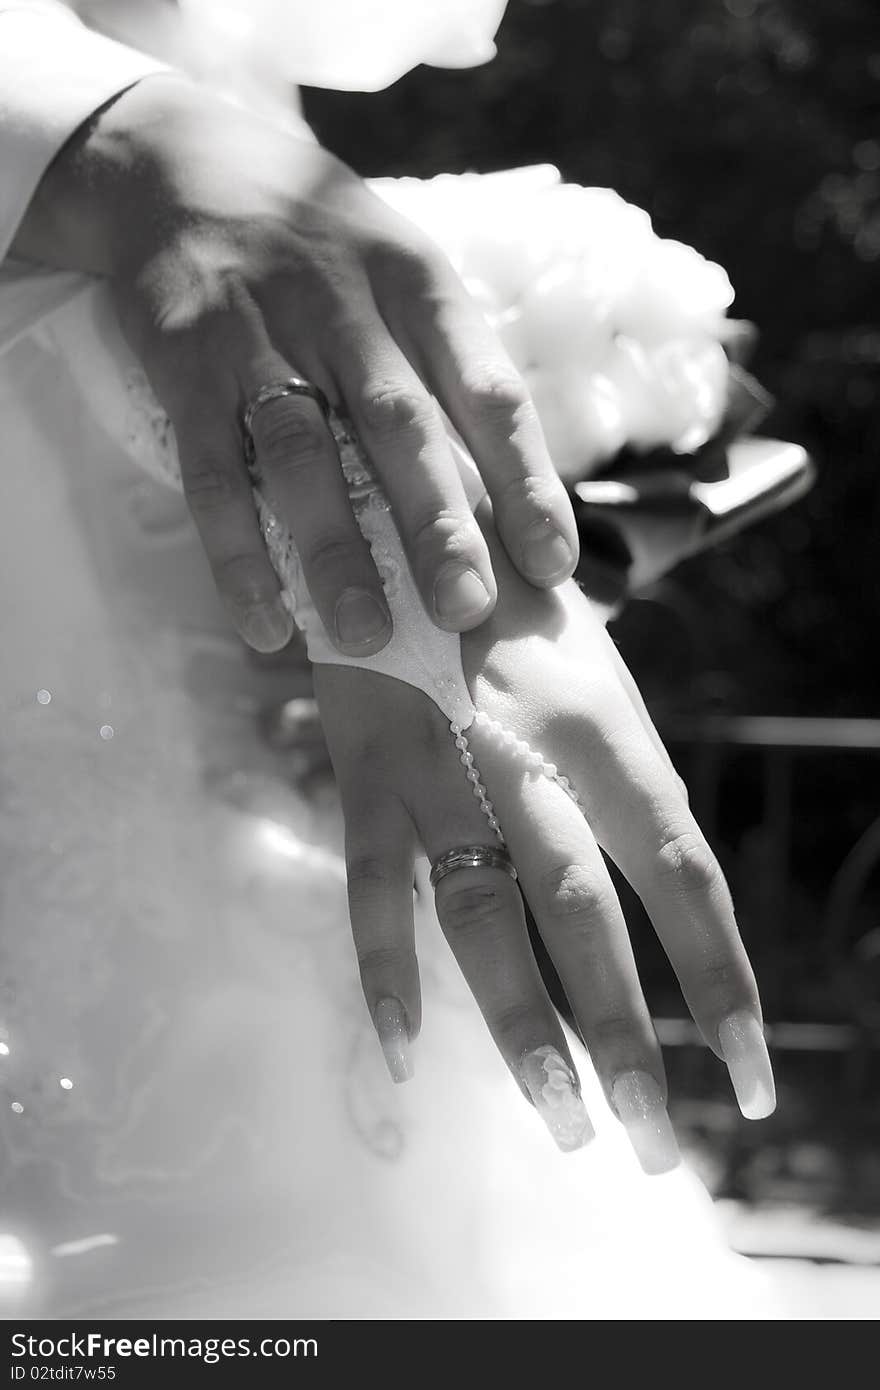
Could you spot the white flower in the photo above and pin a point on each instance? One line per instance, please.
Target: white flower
(617, 331)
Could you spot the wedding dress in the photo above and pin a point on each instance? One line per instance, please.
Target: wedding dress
(196, 1118)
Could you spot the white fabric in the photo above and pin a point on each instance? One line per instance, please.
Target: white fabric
(227, 1143)
(176, 935)
(53, 74)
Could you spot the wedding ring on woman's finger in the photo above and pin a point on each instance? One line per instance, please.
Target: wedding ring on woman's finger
(471, 857)
(273, 391)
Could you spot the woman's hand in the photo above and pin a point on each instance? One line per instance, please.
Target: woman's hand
(242, 254)
(545, 668)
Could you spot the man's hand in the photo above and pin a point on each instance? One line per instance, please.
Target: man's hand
(241, 254)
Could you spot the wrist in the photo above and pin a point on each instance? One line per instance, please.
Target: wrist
(106, 191)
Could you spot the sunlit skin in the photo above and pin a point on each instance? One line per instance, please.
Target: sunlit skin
(546, 669)
(239, 253)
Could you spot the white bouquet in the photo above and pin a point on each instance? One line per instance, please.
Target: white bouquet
(618, 332)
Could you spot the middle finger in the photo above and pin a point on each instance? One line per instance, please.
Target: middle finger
(400, 428)
(578, 914)
(481, 913)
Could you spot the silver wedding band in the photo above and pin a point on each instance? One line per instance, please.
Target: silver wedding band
(274, 391)
(471, 857)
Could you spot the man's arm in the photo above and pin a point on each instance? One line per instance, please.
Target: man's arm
(54, 73)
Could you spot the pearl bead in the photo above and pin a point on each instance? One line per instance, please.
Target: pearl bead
(550, 770)
(467, 759)
(534, 761)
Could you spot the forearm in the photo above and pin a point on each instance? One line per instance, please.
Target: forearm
(164, 157)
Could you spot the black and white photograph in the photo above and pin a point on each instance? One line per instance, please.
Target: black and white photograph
(439, 697)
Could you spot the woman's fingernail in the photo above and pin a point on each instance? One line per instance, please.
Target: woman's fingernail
(553, 1088)
(268, 627)
(460, 595)
(741, 1039)
(639, 1103)
(546, 553)
(390, 1021)
(360, 618)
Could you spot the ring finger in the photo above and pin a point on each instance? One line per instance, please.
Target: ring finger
(299, 465)
(481, 913)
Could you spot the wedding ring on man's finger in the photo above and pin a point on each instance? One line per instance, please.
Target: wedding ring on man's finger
(274, 391)
(471, 857)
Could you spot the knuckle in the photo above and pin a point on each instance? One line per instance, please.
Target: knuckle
(411, 268)
(572, 890)
(497, 394)
(534, 492)
(211, 484)
(241, 578)
(685, 859)
(465, 906)
(611, 1031)
(324, 279)
(226, 298)
(331, 555)
(368, 880)
(719, 979)
(390, 410)
(445, 532)
(378, 961)
(215, 306)
(290, 439)
(511, 1023)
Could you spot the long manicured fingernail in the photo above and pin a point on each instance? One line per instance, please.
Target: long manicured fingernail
(741, 1039)
(460, 595)
(553, 1088)
(360, 618)
(639, 1103)
(546, 554)
(390, 1021)
(268, 627)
